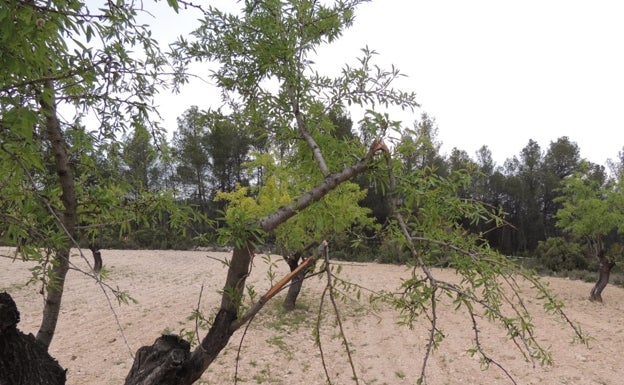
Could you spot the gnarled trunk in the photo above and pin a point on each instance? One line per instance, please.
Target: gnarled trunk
(290, 301)
(604, 272)
(23, 359)
(169, 362)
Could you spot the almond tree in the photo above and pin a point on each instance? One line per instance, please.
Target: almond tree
(265, 69)
(69, 86)
(591, 211)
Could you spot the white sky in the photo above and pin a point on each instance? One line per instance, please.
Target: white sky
(491, 72)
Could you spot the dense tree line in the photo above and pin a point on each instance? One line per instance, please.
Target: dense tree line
(211, 152)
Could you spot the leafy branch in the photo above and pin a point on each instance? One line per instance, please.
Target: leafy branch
(480, 272)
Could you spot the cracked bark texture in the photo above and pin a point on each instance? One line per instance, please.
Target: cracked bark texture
(23, 359)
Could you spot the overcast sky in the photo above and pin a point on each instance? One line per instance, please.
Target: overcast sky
(495, 73)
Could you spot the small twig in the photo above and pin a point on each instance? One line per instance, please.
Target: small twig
(487, 359)
(103, 286)
(354, 264)
(189, 4)
(397, 214)
(522, 314)
(551, 299)
(223, 261)
(317, 330)
(201, 291)
(240, 348)
(117, 321)
(330, 288)
(431, 343)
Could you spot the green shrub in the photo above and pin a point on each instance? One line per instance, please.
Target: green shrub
(347, 247)
(582, 275)
(392, 251)
(557, 254)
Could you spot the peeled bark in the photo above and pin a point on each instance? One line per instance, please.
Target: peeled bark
(23, 360)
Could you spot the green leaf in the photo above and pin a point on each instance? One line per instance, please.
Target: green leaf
(174, 4)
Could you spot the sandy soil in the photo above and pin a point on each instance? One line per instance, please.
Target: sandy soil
(280, 349)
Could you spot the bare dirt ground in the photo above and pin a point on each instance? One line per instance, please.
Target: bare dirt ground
(279, 348)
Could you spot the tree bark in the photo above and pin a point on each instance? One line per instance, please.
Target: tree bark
(64, 171)
(604, 272)
(23, 360)
(290, 301)
(160, 362)
(97, 258)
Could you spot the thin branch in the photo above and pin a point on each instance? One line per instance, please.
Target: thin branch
(330, 287)
(118, 322)
(330, 182)
(303, 129)
(432, 336)
(201, 291)
(103, 286)
(487, 360)
(73, 72)
(435, 284)
(511, 328)
(189, 4)
(317, 332)
(223, 261)
(40, 8)
(557, 309)
(522, 314)
(240, 348)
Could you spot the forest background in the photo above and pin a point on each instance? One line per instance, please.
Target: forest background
(208, 156)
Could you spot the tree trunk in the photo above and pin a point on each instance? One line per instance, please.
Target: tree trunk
(169, 362)
(23, 360)
(65, 175)
(295, 285)
(97, 258)
(297, 281)
(160, 362)
(604, 271)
